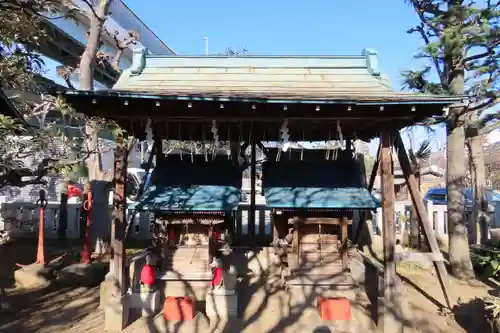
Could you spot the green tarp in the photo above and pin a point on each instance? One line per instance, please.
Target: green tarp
(317, 183)
(186, 185)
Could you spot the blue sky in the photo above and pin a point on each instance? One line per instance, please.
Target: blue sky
(281, 27)
(278, 27)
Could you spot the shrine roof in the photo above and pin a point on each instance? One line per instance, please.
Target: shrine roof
(246, 95)
(7, 108)
(189, 198)
(192, 184)
(326, 79)
(317, 184)
(320, 198)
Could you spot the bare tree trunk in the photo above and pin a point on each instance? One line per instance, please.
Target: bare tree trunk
(475, 145)
(88, 60)
(94, 164)
(461, 264)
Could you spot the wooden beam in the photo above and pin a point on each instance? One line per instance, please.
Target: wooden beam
(320, 220)
(419, 257)
(421, 212)
(119, 213)
(296, 241)
(389, 231)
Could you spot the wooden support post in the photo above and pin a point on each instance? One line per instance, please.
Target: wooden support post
(119, 213)
(253, 175)
(421, 212)
(63, 212)
(390, 309)
(343, 224)
(388, 196)
(159, 243)
(296, 240)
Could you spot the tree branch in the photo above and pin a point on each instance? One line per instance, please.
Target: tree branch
(435, 60)
(94, 12)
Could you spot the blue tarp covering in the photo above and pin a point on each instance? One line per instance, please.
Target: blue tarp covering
(439, 196)
(319, 183)
(189, 198)
(311, 197)
(199, 185)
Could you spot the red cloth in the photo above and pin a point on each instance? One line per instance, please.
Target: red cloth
(215, 235)
(148, 276)
(217, 278)
(74, 191)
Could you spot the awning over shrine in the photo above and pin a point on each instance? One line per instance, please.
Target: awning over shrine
(320, 198)
(327, 79)
(192, 185)
(183, 95)
(317, 184)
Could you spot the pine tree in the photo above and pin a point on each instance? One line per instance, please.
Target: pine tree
(462, 41)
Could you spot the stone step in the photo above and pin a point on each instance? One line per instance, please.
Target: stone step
(338, 279)
(188, 261)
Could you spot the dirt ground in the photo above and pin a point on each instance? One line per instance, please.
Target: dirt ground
(65, 309)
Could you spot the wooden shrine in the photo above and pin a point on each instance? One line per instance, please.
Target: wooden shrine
(256, 99)
(193, 199)
(313, 195)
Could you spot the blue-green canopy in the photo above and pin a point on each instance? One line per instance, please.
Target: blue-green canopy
(320, 198)
(199, 185)
(317, 184)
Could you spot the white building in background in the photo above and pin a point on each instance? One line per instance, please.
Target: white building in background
(68, 38)
(493, 137)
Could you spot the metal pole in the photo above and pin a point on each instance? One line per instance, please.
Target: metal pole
(206, 45)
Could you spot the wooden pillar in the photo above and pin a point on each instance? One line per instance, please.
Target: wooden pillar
(344, 224)
(63, 212)
(422, 215)
(388, 317)
(160, 244)
(253, 175)
(158, 149)
(388, 197)
(119, 222)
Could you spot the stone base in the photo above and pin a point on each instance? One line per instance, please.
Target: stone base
(195, 289)
(149, 302)
(83, 274)
(105, 292)
(221, 305)
(33, 276)
(116, 314)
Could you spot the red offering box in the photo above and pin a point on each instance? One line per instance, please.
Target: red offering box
(179, 308)
(334, 308)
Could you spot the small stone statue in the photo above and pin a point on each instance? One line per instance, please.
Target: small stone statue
(223, 281)
(148, 274)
